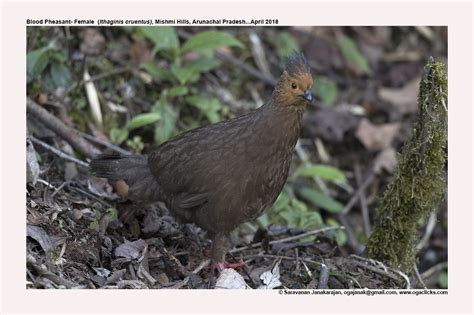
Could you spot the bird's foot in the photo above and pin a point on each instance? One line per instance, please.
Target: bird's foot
(220, 266)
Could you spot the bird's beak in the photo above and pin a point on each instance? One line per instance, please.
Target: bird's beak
(308, 96)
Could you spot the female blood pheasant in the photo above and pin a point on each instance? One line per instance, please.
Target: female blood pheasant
(222, 175)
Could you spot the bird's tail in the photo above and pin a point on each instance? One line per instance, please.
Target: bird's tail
(134, 170)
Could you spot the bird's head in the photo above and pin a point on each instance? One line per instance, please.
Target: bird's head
(294, 85)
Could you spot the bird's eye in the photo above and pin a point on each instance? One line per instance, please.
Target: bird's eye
(293, 85)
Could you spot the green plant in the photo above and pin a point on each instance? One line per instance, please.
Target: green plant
(299, 206)
(325, 89)
(179, 75)
(352, 54)
(136, 144)
(49, 64)
(166, 44)
(284, 43)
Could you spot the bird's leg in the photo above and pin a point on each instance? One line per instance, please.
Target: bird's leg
(220, 246)
(127, 215)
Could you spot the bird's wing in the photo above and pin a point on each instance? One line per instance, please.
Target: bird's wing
(189, 200)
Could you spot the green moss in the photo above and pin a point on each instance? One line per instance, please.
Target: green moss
(419, 181)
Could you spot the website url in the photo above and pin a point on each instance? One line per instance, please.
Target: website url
(367, 292)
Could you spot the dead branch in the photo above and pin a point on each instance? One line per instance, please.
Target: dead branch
(70, 135)
(358, 193)
(58, 152)
(104, 143)
(363, 201)
(185, 281)
(288, 239)
(418, 276)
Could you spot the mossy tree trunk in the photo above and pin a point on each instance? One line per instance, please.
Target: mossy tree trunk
(419, 182)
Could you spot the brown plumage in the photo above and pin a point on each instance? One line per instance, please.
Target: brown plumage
(222, 175)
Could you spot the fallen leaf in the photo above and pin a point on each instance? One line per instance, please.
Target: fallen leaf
(100, 187)
(92, 41)
(144, 274)
(77, 214)
(70, 169)
(330, 124)
(39, 234)
(271, 278)
(102, 272)
(159, 225)
(139, 52)
(116, 276)
(397, 74)
(32, 166)
(376, 137)
(130, 284)
(230, 279)
(405, 98)
(386, 159)
(162, 279)
(131, 250)
(93, 98)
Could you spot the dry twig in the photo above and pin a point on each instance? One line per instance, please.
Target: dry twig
(288, 239)
(70, 135)
(185, 281)
(105, 143)
(58, 152)
(418, 276)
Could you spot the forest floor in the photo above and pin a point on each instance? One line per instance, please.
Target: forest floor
(366, 86)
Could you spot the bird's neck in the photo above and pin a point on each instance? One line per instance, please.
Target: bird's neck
(282, 122)
(290, 112)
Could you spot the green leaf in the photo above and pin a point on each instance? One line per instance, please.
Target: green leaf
(352, 55)
(298, 206)
(113, 212)
(117, 135)
(282, 201)
(313, 219)
(326, 89)
(443, 280)
(340, 235)
(319, 199)
(210, 107)
(203, 64)
(341, 238)
(165, 126)
(191, 72)
(177, 91)
(263, 221)
(36, 62)
(136, 144)
(291, 218)
(184, 74)
(285, 44)
(157, 72)
(325, 172)
(163, 37)
(209, 40)
(60, 75)
(143, 120)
